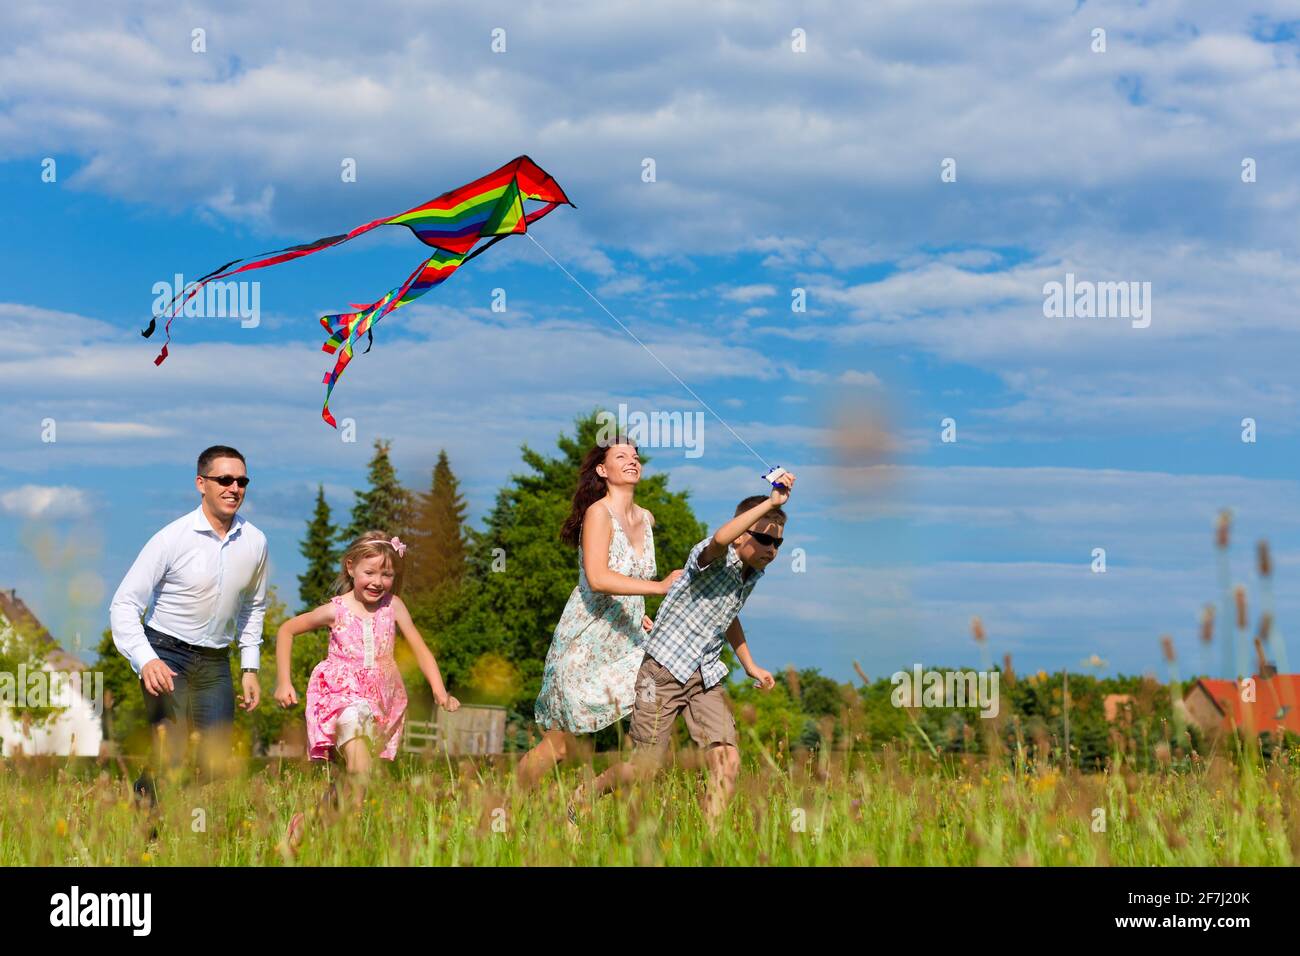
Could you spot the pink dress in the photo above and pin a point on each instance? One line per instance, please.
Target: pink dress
(359, 672)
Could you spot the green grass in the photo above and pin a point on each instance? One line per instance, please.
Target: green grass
(884, 809)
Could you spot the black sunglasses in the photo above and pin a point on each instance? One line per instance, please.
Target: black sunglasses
(766, 539)
(225, 481)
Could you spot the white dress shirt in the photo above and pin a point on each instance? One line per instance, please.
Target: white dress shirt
(197, 587)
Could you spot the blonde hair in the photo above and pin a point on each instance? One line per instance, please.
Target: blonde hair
(370, 545)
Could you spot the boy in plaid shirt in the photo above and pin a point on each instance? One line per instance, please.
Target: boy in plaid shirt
(683, 671)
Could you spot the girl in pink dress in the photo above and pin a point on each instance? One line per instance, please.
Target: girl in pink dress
(355, 697)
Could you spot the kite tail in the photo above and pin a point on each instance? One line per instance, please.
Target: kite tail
(257, 262)
(344, 329)
(178, 302)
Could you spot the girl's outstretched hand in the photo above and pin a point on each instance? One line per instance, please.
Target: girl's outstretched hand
(285, 695)
(448, 703)
(646, 622)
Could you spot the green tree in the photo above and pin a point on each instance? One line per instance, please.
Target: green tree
(23, 641)
(774, 716)
(817, 697)
(271, 722)
(385, 505)
(123, 705)
(438, 557)
(315, 584)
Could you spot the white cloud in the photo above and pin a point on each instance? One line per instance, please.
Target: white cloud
(748, 293)
(1217, 348)
(622, 286)
(855, 377)
(748, 136)
(1142, 193)
(467, 381)
(251, 211)
(111, 430)
(36, 502)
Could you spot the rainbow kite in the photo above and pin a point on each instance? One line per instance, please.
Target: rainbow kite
(490, 208)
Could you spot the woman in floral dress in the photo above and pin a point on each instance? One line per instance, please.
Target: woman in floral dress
(591, 667)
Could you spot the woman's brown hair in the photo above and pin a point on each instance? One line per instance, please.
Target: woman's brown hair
(591, 488)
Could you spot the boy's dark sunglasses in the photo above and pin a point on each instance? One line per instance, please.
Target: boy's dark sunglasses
(766, 539)
(225, 481)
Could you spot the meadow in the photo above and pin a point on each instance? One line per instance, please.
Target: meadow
(890, 807)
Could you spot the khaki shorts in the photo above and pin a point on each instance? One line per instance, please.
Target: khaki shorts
(660, 698)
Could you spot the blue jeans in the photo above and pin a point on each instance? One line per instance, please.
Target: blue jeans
(203, 698)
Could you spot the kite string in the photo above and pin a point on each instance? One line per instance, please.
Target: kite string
(649, 352)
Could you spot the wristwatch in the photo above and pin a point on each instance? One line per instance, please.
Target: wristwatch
(250, 670)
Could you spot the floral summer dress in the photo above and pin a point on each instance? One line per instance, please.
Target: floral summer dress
(359, 671)
(590, 674)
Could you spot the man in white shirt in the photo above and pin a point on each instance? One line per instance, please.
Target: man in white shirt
(197, 587)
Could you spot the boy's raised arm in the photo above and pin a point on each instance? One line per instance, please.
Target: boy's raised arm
(733, 529)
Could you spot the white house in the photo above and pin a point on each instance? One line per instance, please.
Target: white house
(62, 681)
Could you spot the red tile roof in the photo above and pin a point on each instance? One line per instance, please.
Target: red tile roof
(1276, 703)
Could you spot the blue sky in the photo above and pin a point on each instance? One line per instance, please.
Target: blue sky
(775, 170)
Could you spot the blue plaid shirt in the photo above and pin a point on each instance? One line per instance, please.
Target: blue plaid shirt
(692, 622)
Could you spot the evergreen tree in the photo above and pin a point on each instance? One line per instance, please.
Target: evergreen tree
(385, 505)
(438, 555)
(322, 558)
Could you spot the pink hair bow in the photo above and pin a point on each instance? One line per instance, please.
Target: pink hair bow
(398, 546)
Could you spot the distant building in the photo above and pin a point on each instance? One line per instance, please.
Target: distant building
(77, 730)
(1216, 706)
(1117, 707)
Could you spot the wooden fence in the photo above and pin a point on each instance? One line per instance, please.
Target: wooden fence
(474, 729)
